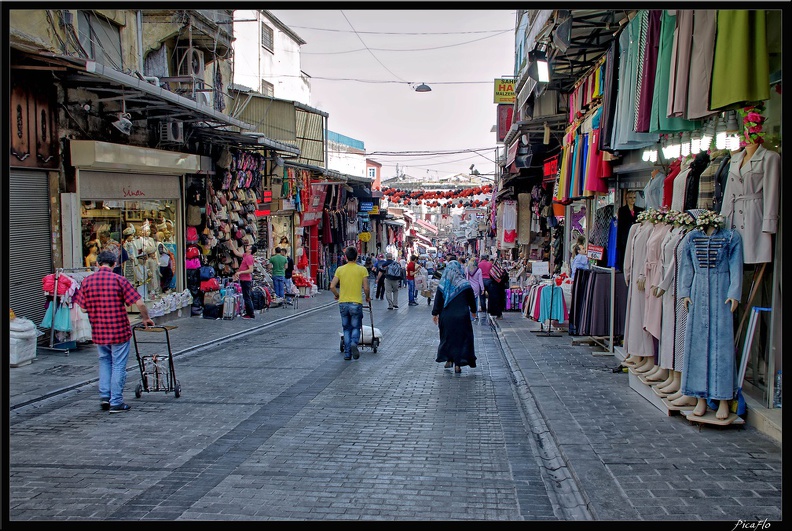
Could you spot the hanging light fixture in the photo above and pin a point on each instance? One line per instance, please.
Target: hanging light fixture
(685, 146)
(695, 142)
(674, 146)
(423, 87)
(539, 68)
(732, 132)
(720, 133)
(708, 134)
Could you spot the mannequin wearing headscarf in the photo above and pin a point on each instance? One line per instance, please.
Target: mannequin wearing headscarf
(453, 311)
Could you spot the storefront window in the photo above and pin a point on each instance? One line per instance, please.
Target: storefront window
(133, 230)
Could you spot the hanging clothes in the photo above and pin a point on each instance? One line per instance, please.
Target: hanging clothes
(668, 183)
(509, 222)
(740, 69)
(644, 104)
(624, 135)
(609, 82)
(660, 122)
(702, 51)
(680, 64)
(653, 191)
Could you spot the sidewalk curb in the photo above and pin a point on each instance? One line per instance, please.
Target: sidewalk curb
(559, 476)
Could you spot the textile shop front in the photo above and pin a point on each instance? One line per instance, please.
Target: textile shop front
(643, 143)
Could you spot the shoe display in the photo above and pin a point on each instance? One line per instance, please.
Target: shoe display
(104, 403)
(119, 408)
(355, 352)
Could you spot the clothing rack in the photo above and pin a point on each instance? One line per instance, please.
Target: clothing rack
(64, 346)
(607, 343)
(549, 332)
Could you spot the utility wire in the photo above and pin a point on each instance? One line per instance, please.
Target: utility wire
(405, 49)
(367, 48)
(405, 32)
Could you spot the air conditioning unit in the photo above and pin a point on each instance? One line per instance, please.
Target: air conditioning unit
(172, 132)
(190, 62)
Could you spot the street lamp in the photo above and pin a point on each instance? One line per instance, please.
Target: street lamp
(423, 87)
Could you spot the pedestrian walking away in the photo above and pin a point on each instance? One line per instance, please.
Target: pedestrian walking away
(473, 275)
(278, 263)
(453, 311)
(380, 279)
(390, 271)
(245, 277)
(353, 280)
(496, 292)
(104, 296)
(484, 265)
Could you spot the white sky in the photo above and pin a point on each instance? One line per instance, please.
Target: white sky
(391, 116)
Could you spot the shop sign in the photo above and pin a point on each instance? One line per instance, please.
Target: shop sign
(504, 120)
(595, 252)
(286, 204)
(374, 210)
(540, 268)
(365, 206)
(504, 90)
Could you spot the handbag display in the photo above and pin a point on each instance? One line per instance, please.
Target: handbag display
(212, 298)
(210, 285)
(62, 320)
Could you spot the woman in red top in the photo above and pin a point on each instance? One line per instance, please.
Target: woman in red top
(412, 266)
(245, 277)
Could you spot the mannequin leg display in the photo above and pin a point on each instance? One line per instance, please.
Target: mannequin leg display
(701, 407)
(660, 375)
(651, 372)
(672, 383)
(685, 401)
(723, 410)
(646, 366)
(632, 360)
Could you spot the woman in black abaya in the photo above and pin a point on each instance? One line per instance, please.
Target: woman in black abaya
(454, 305)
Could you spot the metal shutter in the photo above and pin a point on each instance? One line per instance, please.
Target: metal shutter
(30, 247)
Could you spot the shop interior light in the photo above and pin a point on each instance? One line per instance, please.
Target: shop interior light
(685, 146)
(708, 134)
(732, 132)
(674, 147)
(695, 142)
(720, 133)
(653, 155)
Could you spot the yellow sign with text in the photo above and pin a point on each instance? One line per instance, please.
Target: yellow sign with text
(504, 91)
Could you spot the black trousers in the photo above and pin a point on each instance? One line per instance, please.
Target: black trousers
(246, 285)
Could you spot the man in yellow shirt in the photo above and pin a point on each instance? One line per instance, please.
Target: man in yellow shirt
(352, 278)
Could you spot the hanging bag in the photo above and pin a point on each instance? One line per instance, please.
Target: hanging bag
(496, 272)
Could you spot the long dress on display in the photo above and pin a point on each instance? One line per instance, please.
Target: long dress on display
(637, 341)
(674, 319)
(710, 272)
(653, 308)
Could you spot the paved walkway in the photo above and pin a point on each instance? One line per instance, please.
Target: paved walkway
(608, 453)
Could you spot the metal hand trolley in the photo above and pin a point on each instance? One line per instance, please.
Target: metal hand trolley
(373, 341)
(156, 370)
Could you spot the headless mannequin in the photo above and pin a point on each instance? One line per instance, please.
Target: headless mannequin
(750, 149)
(701, 403)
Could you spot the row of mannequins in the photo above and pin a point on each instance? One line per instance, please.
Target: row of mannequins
(142, 259)
(684, 273)
(684, 276)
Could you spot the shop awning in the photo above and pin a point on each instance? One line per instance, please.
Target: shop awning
(426, 225)
(422, 237)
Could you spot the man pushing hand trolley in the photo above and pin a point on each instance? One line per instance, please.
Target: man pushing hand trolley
(369, 336)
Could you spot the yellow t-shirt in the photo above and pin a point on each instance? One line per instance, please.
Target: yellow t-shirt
(350, 282)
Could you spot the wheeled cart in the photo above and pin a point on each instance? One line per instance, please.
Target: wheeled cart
(156, 363)
(369, 336)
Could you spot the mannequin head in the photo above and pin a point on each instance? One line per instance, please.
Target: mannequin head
(629, 199)
(129, 232)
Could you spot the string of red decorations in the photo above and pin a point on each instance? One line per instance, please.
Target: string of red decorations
(459, 197)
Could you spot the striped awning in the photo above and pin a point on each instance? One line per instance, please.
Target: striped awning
(426, 225)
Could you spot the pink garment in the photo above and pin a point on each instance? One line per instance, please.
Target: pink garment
(597, 168)
(637, 341)
(653, 309)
